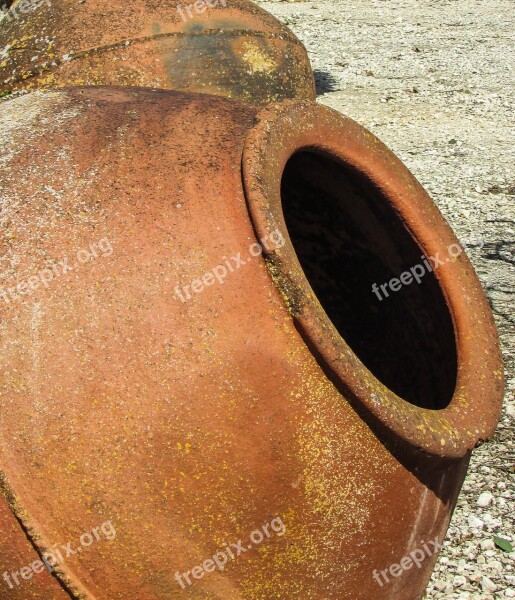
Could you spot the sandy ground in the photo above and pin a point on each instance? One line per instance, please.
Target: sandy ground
(435, 81)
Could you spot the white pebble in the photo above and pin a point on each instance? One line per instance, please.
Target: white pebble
(485, 499)
(488, 585)
(474, 522)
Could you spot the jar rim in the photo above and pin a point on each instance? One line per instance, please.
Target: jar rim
(286, 128)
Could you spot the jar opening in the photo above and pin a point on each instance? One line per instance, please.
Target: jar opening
(370, 277)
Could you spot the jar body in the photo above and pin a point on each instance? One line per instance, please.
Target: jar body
(153, 375)
(235, 49)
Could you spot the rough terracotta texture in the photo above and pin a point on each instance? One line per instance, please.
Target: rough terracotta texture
(17, 551)
(236, 50)
(191, 424)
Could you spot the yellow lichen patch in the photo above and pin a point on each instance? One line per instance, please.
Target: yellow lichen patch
(195, 527)
(47, 81)
(334, 502)
(71, 467)
(257, 60)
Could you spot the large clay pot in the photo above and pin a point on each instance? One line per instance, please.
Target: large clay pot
(190, 389)
(226, 47)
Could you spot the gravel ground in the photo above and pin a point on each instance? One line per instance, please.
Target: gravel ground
(434, 80)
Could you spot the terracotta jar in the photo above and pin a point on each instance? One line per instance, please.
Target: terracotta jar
(229, 48)
(192, 351)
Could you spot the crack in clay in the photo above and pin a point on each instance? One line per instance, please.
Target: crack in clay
(68, 584)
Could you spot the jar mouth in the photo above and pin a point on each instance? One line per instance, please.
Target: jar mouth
(354, 249)
(376, 282)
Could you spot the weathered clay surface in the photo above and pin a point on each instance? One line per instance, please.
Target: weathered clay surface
(233, 49)
(431, 473)
(190, 424)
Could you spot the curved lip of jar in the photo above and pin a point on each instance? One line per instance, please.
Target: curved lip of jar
(285, 128)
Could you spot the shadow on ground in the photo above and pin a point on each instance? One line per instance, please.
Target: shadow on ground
(325, 82)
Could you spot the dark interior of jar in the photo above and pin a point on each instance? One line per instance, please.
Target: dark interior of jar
(348, 238)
